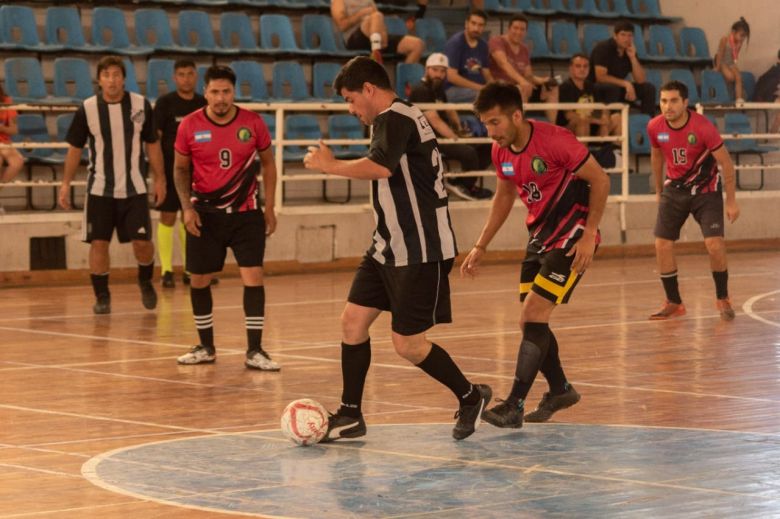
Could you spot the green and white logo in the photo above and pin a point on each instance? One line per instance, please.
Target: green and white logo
(538, 165)
(691, 138)
(244, 135)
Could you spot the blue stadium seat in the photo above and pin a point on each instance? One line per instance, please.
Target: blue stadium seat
(235, 31)
(277, 37)
(407, 76)
(713, 88)
(565, 42)
(63, 27)
(32, 128)
(17, 20)
(748, 84)
(317, 35)
(537, 7)
(288, 82)
(152, 29)
(619, 8)
(131, 83)
(685, 76)
(63, 122)
(536, 39)
(567, 7)
(738, 123)
(432, 32)
(75, 72)
(475, 125)
(250, 81)
(594, 33)
(639, 43)
(592, 8)
(195, 31)
(159, 71)
(649, 10)
(323, 75)
(300, 126)
(200, 85)
(661, 46)
(109, 30)
(395, 26)
(499, 7)
(639, 142)
(693, 46)
(270, 121)
(24, 82)
(345, 126)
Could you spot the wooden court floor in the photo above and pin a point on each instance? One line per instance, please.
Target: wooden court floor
(74, 386)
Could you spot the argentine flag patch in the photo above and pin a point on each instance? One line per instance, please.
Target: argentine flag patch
(663, 137)
(507, 169)
(203, 136)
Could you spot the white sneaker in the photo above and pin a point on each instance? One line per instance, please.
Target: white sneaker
(198, 355)
(261, 360)
(458, 190)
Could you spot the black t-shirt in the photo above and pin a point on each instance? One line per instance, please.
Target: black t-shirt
(570, 93)
(169, 110)
(605, 54)
(425, 93)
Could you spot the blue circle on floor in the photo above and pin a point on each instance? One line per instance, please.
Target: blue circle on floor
(411, 470)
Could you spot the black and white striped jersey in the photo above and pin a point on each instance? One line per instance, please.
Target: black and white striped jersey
(114, 133)
(410, 208)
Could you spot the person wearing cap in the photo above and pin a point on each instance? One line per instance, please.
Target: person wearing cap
(447, 125)
(468, 55)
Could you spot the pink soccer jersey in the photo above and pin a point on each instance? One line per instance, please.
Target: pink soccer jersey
(688, 151)
(224, 170)
(544, 172)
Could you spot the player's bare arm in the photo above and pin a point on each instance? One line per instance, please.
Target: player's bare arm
(72, 161)
(657, 169)
(503, 201)
(154, 153)
(269, 189)
(321, 157)
(729, 182)
(585, 247)
(182, 179)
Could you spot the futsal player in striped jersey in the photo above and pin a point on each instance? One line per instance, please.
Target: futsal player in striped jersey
(565, 191)
(215, 173)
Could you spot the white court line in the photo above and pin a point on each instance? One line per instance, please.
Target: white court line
(42, 471)
(747, 307)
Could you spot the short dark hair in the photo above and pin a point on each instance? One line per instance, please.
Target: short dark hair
(474, 11)
(111, 61)
(518, 18)
(500, 94)
(676, 85)
(219, 72)
(359, 70)
(183, 63)
(623, 26)
(579, 55)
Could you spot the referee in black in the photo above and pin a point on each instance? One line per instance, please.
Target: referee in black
(405, 271)
(115, 124)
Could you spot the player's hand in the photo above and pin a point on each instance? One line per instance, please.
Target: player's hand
(732, 210)
(159, 192)
(630, 92)
(64, 196)
(631, 51)
(470, 265)
(583, 252)
(318, 157)
(191, 220)
(270, 221)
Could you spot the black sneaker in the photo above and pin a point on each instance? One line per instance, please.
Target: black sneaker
(148, 295)
(185, 278)
(550, 404)
(102, 305)
(341, 426)
(167, 280)
(468, 415)
(480, 193)
(506, 415)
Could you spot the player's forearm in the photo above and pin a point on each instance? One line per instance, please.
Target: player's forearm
(72, 160)
(269, 185)
(182, 179)
(597, 201)
(729, 181)
(154, 151)
(657, 169)
(365, 169)
(499, 212)
(458, 80)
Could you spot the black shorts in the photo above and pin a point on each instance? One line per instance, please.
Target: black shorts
(417, 296)
(243, 232)
(359, 41)
(548, 274)
(171, 204)
(129, 216)
(676, 204)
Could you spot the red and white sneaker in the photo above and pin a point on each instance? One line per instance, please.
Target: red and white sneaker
(668, 311)
(726, 311)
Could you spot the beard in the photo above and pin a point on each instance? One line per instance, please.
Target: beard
(436, 83)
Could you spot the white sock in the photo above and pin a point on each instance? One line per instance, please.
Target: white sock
(376, 41)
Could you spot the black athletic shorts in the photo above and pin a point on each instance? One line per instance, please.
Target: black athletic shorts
(129, 216)
(548, 274)
(359, 41)
(417, 296)
(676, 204)
(243, 232)
(171, 204)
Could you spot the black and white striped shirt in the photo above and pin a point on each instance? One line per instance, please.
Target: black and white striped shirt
(115, 133)
(410, 208)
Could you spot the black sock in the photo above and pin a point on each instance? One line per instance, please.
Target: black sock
(671, 288)
(533, 351)
(254, 312)
(439, 365)
(721, 284)
(100, 284)
(355, 360)
(202, 312)
(145, 273)
(552, 370)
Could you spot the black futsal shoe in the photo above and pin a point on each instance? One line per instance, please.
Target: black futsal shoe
(550, 404)
(469, 415)
(148, 295)
(342, 426)
(506, 414)
(167, 280)
(102, 305)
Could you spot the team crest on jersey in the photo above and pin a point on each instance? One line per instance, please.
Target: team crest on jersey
(203, 136)
(538, 165)
(691, 138)
(244, 134)
(138, 117)
(507, 169)
(663, 137)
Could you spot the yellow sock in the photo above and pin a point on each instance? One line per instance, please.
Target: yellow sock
(183, 245)
(165, 246)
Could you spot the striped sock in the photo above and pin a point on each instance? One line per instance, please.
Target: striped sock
(254, 311)
(204, 318)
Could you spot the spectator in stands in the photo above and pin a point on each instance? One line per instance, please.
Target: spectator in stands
(469, 57)
(612, 60)
(579, 89)
(11, 161)
(728, 54)
(446, 124)
(510, 61)
(364, 29)
(768, 90)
